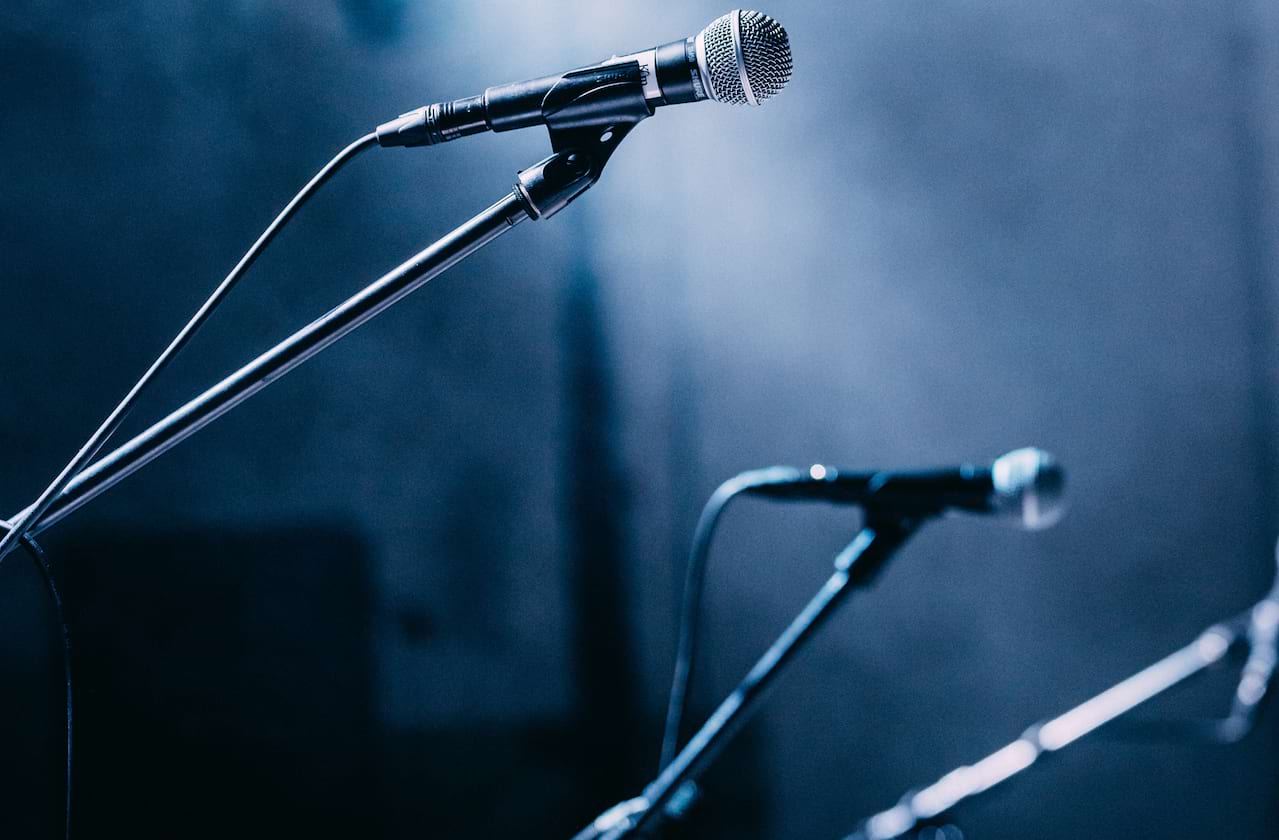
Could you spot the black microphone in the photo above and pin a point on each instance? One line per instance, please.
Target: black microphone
(742, 58)
(1026, 486)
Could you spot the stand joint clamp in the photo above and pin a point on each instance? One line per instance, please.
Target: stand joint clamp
(588, 113)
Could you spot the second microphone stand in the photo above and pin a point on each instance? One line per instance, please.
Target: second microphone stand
(855, 566)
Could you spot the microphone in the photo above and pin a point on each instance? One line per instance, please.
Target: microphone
(742, 58)
(1025, 485)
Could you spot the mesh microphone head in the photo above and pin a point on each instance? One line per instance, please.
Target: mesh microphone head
(744, 58)
(1029, 487)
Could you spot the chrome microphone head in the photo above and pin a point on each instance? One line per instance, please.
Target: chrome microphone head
(743, 57)
(1029, 487)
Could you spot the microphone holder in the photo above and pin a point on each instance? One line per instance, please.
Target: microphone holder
(855, 566)
(586, 122)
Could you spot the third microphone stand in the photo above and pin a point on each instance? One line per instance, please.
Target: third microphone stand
(855, 566)
(1256, 630)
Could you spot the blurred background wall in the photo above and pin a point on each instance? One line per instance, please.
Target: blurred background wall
(426, 583)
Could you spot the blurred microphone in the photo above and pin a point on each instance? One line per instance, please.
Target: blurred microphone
(742, 58)
(1025, 486)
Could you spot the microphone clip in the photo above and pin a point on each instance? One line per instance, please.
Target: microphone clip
(588, 113)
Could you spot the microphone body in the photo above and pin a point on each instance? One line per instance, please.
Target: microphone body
(1025, 485)
(742, 57)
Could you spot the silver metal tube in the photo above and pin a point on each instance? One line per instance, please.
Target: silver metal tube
(279, 360)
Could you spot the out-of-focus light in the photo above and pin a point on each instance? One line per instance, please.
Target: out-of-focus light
(890, 823)
(1138, 688)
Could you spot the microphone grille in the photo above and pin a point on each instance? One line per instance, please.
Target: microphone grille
(1030, 487)
(745, 57)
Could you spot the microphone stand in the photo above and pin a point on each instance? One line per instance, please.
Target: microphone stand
(586, 120)
(855, 566)
(1254, 629)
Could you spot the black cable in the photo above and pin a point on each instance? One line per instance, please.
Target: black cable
(30, 517)
(694, 576)
(17, 532)
(690, 609)
(41, 561)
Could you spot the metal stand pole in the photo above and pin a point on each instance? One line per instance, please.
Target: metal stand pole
(854, 566)
(288, 354)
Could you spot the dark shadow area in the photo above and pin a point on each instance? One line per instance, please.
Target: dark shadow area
(615, 745)
(31, 705)
(223, 682)
(596, 503)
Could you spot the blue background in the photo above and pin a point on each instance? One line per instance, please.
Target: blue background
(426, 584)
